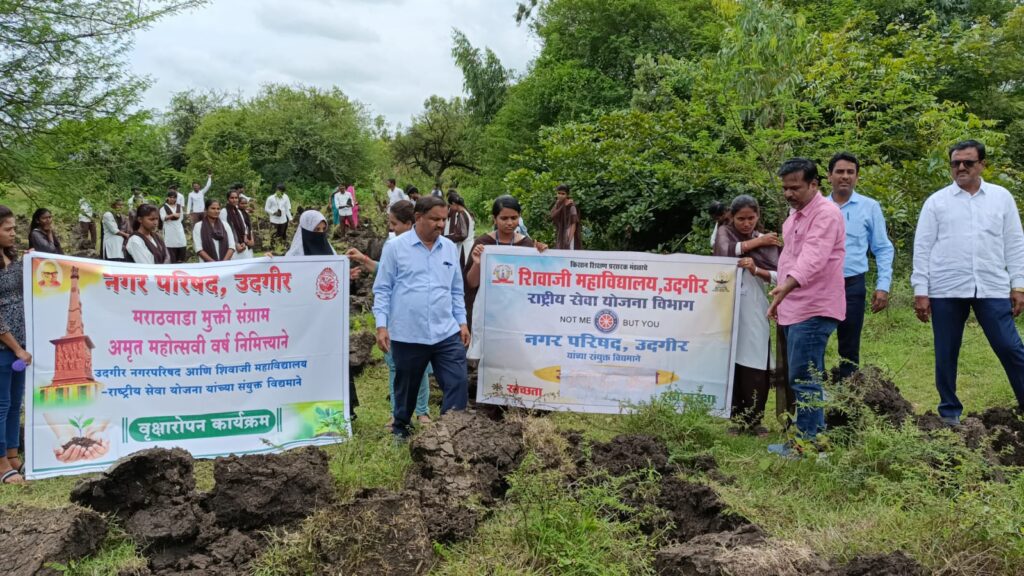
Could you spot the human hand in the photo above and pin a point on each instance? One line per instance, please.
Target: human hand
(746, 264)
(923, 308)
(24, 356)
(773, 309)
(541, 247)
(77, 452)
(1017, 299)
(464, 334)
(880, 301)
(356, 255)
(477, 252)
(770, 239)
(383, 340)
(355, 273)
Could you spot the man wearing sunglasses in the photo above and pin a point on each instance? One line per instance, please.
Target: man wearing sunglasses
(969, 255)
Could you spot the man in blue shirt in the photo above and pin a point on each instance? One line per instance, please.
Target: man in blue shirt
(865, 231)
(420, 310)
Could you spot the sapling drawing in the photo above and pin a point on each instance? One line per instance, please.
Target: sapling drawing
(330, 422)
(81, 438)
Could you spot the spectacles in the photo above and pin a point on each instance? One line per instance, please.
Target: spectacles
(966, 163)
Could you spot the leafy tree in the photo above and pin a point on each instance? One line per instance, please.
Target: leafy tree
(64, 60)
(441, 137)
(186, 111)
(484, 78)
(307, 136)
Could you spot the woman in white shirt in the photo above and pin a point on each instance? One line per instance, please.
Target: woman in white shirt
(145, 246)
(213, 241)
(174, 230)
(279, 208)
(113, 232)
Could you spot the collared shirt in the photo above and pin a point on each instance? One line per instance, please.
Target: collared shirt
(815, 247)
(274, 204)
(84, 211)
(418, 294)
(865, 230)
(968, 246)
(197, 198)
(396, 194)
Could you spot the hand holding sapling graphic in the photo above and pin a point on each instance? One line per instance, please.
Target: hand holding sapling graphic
(79, 439)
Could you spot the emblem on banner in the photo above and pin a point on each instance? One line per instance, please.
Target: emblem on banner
(327, 285)
(606, 321)
(502, 274)
(722, 280)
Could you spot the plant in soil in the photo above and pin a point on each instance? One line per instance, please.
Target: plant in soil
(330, 422)
(81, 439)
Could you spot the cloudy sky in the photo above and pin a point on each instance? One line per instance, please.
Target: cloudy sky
(388, 54)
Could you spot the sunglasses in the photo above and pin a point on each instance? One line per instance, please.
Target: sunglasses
(966, 163)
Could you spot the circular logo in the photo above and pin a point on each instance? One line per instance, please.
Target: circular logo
(327, 285)
(606, 321)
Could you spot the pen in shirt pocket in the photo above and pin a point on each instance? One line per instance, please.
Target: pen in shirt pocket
(448, 264)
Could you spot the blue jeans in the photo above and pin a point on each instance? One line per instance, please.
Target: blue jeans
(12, 394)
(849, 330)
(421, 398)
(448, 358)
(805, 346)
(949, 315)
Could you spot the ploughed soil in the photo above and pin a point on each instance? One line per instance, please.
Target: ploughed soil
(80, 441)
(33, 538)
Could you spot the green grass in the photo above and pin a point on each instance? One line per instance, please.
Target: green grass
(877, 492)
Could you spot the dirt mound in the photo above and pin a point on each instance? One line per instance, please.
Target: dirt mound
(377, 533)
(360, 348)
(270, 489)
(216, 534)
(629, 453)
(463, 457)
(871, 388)
(998, 431)
(929, 422)
(31, 538)
(741, 552)
(148, 478)
(893, 564)
(694, 510)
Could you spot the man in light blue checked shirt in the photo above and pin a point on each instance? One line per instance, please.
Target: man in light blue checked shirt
(420, 310)
(865, 231)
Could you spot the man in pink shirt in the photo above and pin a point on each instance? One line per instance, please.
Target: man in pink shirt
(810, 299)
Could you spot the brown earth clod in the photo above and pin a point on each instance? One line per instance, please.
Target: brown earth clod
(33, 540)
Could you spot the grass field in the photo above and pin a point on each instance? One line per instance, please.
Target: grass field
(876, 492)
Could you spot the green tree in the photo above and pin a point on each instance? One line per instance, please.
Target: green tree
(484, 78)
(64, 60)
(186, 110)
(441, 137)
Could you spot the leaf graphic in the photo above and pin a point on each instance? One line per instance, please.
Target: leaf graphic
(87, 422)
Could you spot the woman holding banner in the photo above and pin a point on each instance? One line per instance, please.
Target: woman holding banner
(145, 246)
(400, 219)
(759, 259)
(12, 350)
(507, 213)
(213, 241)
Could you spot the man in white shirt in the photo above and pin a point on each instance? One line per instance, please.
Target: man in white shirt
(394, 193)
(86, 226)
(279, 208)
(969, 254)
(197, 200)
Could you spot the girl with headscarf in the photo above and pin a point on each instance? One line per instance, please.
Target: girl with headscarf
(759, 259)
(213, 241)
(145, 246)
(311, 237)
(41, 236)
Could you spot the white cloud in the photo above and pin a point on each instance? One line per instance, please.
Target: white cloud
(388, 54)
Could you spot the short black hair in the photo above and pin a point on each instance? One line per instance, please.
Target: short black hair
(717, 209)
(843, 156)
(237, 186)
(172, 187)
(412, 190)
(967, 144)
(172, 194)
(403, 211)
(391, 180)
(807, 167)
(427, 203)
(562, 188)
(280, 186)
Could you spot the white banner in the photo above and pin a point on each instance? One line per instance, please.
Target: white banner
(216, 358)
(594, 331)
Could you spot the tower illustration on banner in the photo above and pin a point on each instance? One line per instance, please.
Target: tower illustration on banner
(73, 380)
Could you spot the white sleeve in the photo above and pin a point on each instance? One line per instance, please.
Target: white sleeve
(267, 206)
(1013, 243)
(109, 224)
(924, 241)
(197, 237)
(209, 182)
(139, 253)
(287, 207)
(739, 249)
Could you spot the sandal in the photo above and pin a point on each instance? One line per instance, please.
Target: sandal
(7, 477)
(424, 419)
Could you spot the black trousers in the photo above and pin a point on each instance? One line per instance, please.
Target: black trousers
(849, 330)
(281, 231)
(177, 255)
